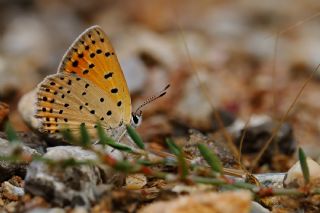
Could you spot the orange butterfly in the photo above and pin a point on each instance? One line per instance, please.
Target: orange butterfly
(89, 87)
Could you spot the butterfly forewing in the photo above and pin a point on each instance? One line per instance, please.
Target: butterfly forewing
(92, 57)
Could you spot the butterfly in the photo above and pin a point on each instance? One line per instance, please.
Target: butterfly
(88, 88)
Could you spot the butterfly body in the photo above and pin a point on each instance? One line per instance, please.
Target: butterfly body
(89, 87)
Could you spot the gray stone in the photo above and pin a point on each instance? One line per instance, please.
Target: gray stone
(30, 139)
(257, 208)
(79, 185)
(274, 180)
(8, 169)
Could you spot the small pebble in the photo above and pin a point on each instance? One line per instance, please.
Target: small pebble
(294, 177)
(135, 181)
(11, 192)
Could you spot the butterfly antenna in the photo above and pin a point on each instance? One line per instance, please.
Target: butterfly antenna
(153, 98)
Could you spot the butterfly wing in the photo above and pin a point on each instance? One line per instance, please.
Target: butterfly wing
(92, 57)
(66, 101)
(89, 87)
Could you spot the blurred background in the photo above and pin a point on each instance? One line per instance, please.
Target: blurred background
(231, 45)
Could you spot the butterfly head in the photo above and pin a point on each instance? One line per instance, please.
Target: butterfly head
(136, 119)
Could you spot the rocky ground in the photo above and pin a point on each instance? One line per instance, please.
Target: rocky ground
(244, 62)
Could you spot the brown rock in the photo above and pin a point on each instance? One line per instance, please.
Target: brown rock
(4, 111)
(136, 181)
(220, 148)
(226, 202)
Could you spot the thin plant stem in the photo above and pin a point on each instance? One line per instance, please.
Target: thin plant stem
(205, 90)
(274, 133)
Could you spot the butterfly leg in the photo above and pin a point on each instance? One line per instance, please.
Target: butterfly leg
(96, 142)
(119, 137)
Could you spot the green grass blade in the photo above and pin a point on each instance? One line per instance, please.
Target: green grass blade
(84, 136)
(102, 135)
(11, 133)
(183, 166)
(304, 166)
(174, 149)
(126, 166)
(67, 135)
(211, 158)
(105, 140)
(135, 137)
(177, 151)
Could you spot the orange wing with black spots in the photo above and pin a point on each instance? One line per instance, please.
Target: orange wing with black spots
(89, 87)
(92, 57)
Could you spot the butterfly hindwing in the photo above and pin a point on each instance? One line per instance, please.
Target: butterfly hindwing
(92, 57)
(67, 100)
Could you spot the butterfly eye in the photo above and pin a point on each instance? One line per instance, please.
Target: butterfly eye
(136, 120)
